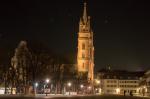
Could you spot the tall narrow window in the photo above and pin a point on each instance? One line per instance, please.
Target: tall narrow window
(83, 55)
(83, 65)
(83, 46)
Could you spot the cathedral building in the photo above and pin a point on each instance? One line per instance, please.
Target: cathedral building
(85, 54)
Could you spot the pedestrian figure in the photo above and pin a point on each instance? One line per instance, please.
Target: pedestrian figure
(131, 93)
(124, 92)
(143, 93)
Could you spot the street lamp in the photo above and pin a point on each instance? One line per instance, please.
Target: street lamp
(81, 86)
(69, 85)
(36, 85)
(89, 87)
(98, 85)
(98, 81)
(47, 81)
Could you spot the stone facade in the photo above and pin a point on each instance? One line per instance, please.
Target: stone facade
(85, 55)
(118, 81)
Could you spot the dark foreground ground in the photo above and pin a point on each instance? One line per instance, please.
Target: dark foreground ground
(73, 97)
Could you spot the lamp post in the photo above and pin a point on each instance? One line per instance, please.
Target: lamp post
(98, 81)
(89, 88)
(69, 85)
(36, 85)
(47, 81)
(98, 85)
(81, 86)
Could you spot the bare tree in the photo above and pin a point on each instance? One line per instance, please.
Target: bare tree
(21, 62)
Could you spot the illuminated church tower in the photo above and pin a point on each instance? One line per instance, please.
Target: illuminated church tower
(85, 55)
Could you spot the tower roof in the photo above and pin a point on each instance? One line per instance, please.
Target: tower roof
(84, 21)
(85, 13)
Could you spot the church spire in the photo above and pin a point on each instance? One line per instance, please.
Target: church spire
(85, 54)
(84, 20)
(85, 13)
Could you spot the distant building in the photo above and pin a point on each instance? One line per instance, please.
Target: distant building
(118, 82)
(144, 88)
(85, 55)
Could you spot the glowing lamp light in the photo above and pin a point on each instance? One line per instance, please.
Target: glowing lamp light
(98, 82)
(100, 90)
(118, 90)
(47, 80)
(138, 89)
(89, 87)
(69, 84)
(81, 86)
(145, 89)
(36, 84)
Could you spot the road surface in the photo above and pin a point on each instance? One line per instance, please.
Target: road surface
(73, 97)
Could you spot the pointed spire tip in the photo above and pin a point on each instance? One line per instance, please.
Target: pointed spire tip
(85, 13)
(85, 4)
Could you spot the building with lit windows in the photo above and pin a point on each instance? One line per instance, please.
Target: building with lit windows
(118, 82)
(144, 88)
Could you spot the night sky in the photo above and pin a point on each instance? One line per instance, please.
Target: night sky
(121, 29)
